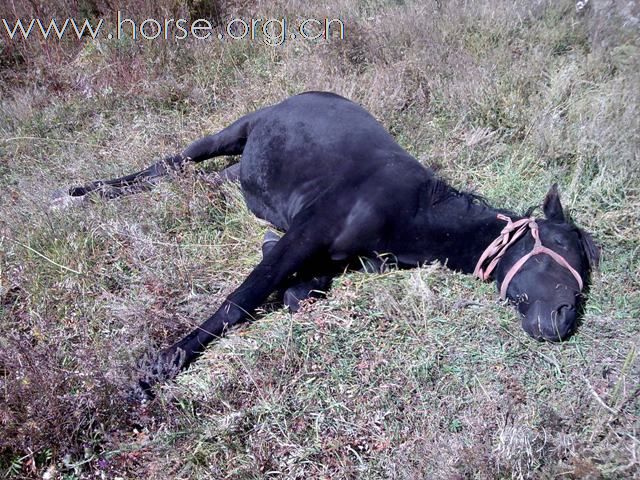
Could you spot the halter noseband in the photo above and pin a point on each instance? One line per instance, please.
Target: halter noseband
(508, 236)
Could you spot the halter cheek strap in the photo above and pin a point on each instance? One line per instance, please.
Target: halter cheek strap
(508, 236)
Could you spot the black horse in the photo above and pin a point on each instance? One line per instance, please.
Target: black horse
(320, 168)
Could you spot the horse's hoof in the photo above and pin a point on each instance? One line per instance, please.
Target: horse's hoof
(62, 200)
(141, 393)
(157, 369)
(296, 294)
(292, 299)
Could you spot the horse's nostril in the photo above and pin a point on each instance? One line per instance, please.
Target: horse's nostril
(565, 311)
(565, 322)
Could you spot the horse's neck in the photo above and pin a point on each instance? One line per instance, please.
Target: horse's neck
(459, 230)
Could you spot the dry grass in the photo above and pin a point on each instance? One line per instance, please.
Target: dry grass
(418, 374)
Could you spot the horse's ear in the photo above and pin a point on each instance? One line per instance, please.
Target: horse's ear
(591, 250)
(552, 207)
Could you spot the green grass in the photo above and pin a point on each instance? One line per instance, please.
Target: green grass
(412, 374)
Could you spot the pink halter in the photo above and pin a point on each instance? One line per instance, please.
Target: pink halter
(509, 234)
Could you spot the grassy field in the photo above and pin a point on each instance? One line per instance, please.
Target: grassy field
(403, 375)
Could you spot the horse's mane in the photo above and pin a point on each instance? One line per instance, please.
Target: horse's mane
(440, 191)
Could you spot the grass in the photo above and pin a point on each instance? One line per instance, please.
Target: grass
(412, 374)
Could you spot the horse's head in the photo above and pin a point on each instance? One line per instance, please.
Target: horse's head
(545, 272)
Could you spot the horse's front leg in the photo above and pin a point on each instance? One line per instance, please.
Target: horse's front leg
(289, 255)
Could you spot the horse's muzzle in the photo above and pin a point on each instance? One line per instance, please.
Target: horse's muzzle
(552, 323)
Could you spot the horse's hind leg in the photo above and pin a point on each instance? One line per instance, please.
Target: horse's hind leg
(228, 175)
(229, 141)
(147, 178)
(134, 183)
(304, 284)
